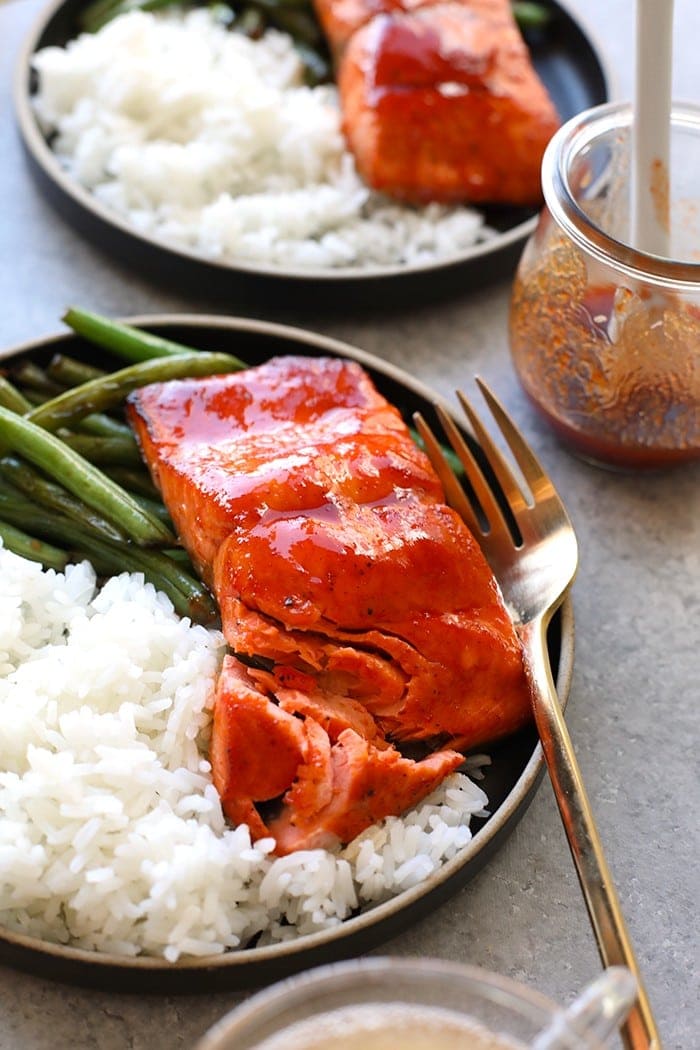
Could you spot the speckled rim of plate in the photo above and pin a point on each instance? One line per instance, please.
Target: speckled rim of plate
(258, 965)
(46, 161)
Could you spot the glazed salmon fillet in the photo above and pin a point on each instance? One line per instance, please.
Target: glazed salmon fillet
(360, 610)
(440, 101)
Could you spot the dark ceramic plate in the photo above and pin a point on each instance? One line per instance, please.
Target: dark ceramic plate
(510, 780)
(570, 64)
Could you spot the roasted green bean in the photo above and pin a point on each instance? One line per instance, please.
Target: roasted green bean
(136, 481)
(19, 542)
(28, 374)
(188, 595)
(158, 509)
(104, 426)
(63, 372)
(49, 495)
(531, 15)
(59, 461)
(131, 344)
(121, 450)
(69, 372)
(12, 399)
(99, 13)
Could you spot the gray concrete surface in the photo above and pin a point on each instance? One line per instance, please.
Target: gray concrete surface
(634, 710)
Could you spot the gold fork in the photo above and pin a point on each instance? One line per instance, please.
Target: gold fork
(531, 547)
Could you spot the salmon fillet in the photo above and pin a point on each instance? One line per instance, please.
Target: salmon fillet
(440, 101)
(363, 601)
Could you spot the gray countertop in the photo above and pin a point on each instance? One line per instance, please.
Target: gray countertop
(634, 708)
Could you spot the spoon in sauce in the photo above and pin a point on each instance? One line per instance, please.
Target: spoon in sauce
(651, 128)
(595, 1013)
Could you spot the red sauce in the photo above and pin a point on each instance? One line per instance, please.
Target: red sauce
(614, 371)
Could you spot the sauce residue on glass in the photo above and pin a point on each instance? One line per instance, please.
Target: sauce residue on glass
(386, 1026)
(615, 371)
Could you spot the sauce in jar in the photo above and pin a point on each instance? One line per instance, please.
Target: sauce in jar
(606, 339)
(616, 373)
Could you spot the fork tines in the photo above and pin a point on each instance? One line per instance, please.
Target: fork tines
(484, 511)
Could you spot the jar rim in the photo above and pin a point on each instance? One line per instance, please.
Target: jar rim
(567, 143)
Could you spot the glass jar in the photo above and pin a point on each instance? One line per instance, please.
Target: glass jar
(605, 338)
(389, 1002)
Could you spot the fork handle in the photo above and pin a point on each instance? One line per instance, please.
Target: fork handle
(639, 1031)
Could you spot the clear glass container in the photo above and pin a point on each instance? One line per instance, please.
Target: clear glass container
(606, 339)
(385, 1003)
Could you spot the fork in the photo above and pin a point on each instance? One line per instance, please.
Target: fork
(531, 547)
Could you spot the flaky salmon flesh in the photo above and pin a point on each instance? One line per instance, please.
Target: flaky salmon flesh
(359, 611)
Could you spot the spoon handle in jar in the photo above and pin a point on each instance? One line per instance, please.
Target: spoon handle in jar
(651, 128)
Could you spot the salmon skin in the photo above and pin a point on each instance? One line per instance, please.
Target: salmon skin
(440, 100)
(359, 609)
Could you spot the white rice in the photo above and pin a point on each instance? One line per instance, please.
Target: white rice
(198, 136)
(111, 832)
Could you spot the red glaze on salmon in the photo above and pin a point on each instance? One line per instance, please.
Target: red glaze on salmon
(440, 100)
(321, 527)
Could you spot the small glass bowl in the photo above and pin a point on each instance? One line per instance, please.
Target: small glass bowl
(507, 1015)
(606, 339)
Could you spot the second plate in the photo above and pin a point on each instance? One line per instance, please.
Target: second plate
(566, 57)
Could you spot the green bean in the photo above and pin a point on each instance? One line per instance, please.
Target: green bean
(13, 498)
(12, 399)
(104, 426)
(300, 24)
(97, 423)
(306, 5)
(98, 15)
(530, 15)
(108, 563)
(121, 450)
(28, 547)
(28, 374)
(34, 398)
(111, 389)
(179, 584)
(180, 555)
(96, 11)
(451, 457)
(136, 481)
(47, 494)
(317, 68)
(131, 344)
(156, 508)
(49, 453)
(69, 372)
(188, 595)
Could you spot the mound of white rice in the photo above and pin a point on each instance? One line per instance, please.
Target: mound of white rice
(111, 832)
(201, 137)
